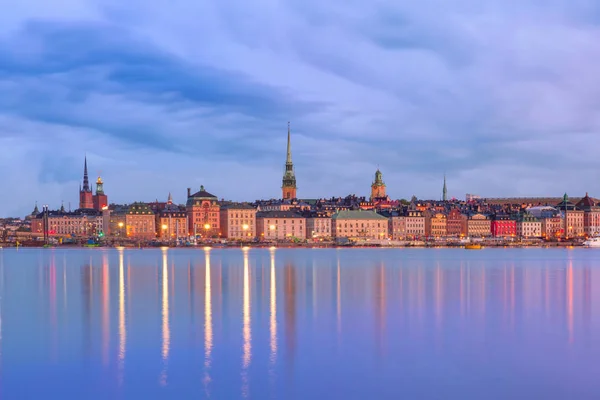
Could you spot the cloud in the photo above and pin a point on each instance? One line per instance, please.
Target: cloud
(502, 96)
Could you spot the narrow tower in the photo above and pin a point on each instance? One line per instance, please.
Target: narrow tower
(288, 186)
(100, 198)
(445, 190)
(85, 193)
(378, 187)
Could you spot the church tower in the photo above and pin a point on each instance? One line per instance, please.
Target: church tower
(100, 198)
(85, 193)
(378, 187)
(445, 190)
(288, 186)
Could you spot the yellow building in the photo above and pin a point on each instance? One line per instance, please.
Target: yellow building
(359, 224)
(435, 224)
(280, 225)
(238, 221)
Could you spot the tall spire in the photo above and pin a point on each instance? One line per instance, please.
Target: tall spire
(86, 182)
(170, 199)
(289, 147)
(445, 190)
(289, 177)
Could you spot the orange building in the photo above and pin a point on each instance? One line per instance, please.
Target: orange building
(435, 224)
(203, 213)
(378, 187)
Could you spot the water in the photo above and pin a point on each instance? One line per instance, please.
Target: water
(300, 324)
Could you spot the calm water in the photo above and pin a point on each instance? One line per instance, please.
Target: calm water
(300, 324)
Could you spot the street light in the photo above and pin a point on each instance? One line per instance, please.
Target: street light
(164, 228)
(245, 228)
(120, 229)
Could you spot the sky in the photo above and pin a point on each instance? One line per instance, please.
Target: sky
(501, 96)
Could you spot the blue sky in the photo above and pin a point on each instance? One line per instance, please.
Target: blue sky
(501, 95)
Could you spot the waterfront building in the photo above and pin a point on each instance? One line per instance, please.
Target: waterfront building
(591, 215)
(318, 225)
(396, 224)
(288, 186)
(378, 187)
(528, 226)
(502, 225)
(171, 220)
(415, 224)
(238, 221)
(476, 225)
(78, 223)
(454, 222)
(280, 225)
(203, 213)
(573, 218)
(359, 224)
(552, 227)
(435, 224)
(140, 222)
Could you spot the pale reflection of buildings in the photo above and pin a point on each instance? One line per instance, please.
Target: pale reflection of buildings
(246, 328)
(166, 329)
(289, 297)
(105, 301)
(122, 322)
(273, 309)
(208, 327)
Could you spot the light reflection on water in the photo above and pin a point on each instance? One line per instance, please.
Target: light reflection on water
(277, 323)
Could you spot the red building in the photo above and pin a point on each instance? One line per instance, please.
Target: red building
(503, 226)
(88, 200)
(454, 223)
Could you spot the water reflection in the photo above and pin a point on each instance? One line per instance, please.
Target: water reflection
(122, 323)
(246, 330)
(208, 329)
(166, 329)
(355, 311)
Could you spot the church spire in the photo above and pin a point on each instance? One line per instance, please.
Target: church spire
(288, 160)
(170, 199)
(445, 190)
(86, 182)
(289, 177)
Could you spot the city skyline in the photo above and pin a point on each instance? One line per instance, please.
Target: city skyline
(503, 106)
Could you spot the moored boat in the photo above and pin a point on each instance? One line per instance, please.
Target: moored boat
(473, 246)
(592, 242)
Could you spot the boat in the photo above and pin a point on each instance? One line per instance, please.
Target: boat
(473, 246)
(592, 242)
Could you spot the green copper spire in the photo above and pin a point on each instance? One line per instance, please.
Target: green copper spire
(289, 177)
(445, 190)
(289, 147)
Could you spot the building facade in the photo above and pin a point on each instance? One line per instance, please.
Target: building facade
(435, 224)
(140, 222)
(502, 225)
(476, 225)
(88, 200)
(552, 227)
(591, 215)
(415, 224)
(573, 219)
(454, 222)
(359, 225)
(238, 221)
(318, 226)
(280, 225)
(203, 213)
(529, 226)
(79, 223)
(171, 221)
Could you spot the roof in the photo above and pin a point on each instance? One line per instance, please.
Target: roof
(278, 214)
(357, 214)
(586, 203)
(237, 206)
(203, 194)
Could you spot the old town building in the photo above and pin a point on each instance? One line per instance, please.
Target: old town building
(359, 224)
(288, 187)
(396, 224)
(435, 224)
(415, 224)
(502, 225)
(171, 220)
(140, 222)
(528, 226)
(318, 225)
(454, 221)
(591, 215)
(78, 223)
(476, 225)
(203, 213)
(552, 227)
(573, 218)
(280, 225)
(238, 221)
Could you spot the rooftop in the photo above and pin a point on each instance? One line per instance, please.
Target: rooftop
(358, 214)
